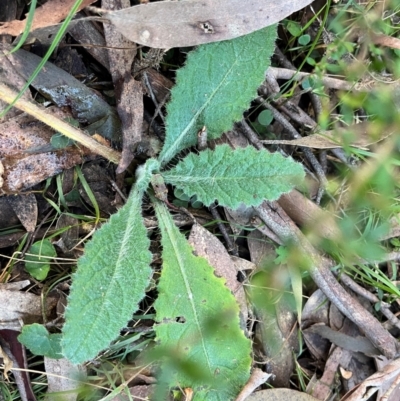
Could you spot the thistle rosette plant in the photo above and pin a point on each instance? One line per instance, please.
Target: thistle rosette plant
(197, 329)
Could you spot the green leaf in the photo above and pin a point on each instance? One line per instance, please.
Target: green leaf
(265, 117)
(304, 39)
(294, 28)
(144, 174)
(111, 279)
(297, 287)
(39, 341)
(230, 75)
(37, 264)
(233, 177)
(199, 332)
(60, 141)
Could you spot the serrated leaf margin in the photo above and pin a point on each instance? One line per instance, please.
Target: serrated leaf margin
(227, 385)
(191, 106)
(111, 279)
(227, 175)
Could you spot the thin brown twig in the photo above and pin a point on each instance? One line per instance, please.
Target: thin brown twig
(232, 248)
(384, 307)
(328, 82)
(319, 269)
(307, 152)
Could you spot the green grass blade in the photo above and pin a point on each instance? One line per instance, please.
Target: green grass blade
(49, 52)
(29, 20)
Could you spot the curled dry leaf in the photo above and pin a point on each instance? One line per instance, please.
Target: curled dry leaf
(358, 135)
(193, 22)
(384, 383)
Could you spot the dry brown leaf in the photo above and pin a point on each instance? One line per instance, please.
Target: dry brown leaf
(359, 135)
(169, 24)
(17, 306)
(381, 382)
(209, 247)
(25, 207)
(64, 90)
(279, 394)
(48, 14)
(257, 378)
(26, 153)
(128, 92)
(15, 351)
(62, 375)
(355, 344)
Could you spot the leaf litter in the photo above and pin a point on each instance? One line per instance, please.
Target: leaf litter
(329, 336)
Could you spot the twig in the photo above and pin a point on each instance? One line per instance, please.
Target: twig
(384, 307)
(232, 248)
(158, 130)
(250, 134)
(315, 99)
(8, 95)
(307, 152)
(153, 97)
(257, 378)
(319, 269)
(328, 82)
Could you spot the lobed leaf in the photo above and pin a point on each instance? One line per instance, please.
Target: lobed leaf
(110, 281)
(232, 177)
(199, 332)
(39, 341)
(230, 75)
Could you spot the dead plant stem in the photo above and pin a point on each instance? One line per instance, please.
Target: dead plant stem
(8, 95)
(319, 269)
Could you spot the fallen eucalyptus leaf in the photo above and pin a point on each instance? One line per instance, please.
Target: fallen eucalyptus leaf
(169, 24)
(277, 394)
(360, 135)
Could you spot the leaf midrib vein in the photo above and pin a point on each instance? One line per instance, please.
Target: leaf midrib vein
(174, 243)
(122, 247)
(166, 158)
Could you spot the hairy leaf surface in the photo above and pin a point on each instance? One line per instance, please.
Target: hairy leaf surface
(230, 75)
(145, 172)
(236, 176)
(198, 331)
(111, 279)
